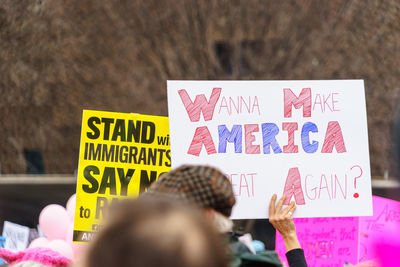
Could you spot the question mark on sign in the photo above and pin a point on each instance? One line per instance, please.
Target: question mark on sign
(356, 195)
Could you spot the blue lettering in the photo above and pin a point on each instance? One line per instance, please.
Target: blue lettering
(230, 136)
(305, 137)
(269, 131)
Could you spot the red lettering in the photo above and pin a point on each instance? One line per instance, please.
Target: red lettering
(334, 101)
(304, 100)
(317, 96)
(243, 183)
(314, 190)
(200, 104)
(293, 187)
(224, 104)
(232, 103)
(255, 105)
(344, 193)
(202, 137)
(323, 177)
(290, 127)
(246, 184)
(326, 102)
(249, 139)
(233, 184)
(252, 182)
(243, 103)
(333, 137)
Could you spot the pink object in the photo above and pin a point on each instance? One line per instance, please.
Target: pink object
(334, 241)
(70, 233)
(71, 203)
(54, 221)
(40, 242)
(379, 234)
(326, 241)
(44, 256)
(77, 248)
(62, 247)
(388, 251)
(293, 187)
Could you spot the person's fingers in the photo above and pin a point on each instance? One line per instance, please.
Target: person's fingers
(288, 209)
(280, 204)
(292, 209)
(272, 205)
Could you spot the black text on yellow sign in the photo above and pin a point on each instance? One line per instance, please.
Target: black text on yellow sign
(120, 156)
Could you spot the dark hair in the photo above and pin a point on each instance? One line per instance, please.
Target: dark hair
(146, 232)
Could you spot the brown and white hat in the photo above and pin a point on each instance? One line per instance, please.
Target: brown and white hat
(203, 186)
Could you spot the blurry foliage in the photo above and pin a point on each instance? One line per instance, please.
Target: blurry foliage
(59, 57)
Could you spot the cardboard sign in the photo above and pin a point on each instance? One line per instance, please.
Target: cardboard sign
(16, 236)
(304, 139)
(120, 156)
(326, 241)
(382, 228)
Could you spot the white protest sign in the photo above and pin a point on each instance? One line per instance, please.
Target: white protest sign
(307, 140)
(16, 236)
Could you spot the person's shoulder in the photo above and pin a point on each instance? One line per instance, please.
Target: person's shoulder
(242, 256)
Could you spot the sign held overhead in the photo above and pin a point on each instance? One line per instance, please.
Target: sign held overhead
(306, 140)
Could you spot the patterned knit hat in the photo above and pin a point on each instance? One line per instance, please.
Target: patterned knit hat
(203, 186)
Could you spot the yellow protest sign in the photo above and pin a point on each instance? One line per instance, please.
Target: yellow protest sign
(121, 154)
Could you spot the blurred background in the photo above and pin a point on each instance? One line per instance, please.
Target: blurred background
(59, 57)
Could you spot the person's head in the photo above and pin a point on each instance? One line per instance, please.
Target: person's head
(202, 186)
(154, 232)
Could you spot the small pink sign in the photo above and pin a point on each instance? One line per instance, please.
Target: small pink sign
(334, 241)
(381, 229)
(326, 241)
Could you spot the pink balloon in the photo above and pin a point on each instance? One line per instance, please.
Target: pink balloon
(70, 233)
(62, 247)
(40, 242)
(77, 248)
(54, 221)
(71, 203)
